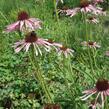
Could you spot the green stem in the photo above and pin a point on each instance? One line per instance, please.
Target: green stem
(91, 61)
(107, 107)
(87, 39)
(69, 67)
(55, 7)
(41, 80)
(94, 57)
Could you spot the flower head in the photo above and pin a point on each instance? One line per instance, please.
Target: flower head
(84, 3)
(23, 15)
(101, 89)
(92, 20)
(72, 12)
(85, 7)
(24, 23)
(65, 51)
(31, 39)
(99, 11)
(91, 44)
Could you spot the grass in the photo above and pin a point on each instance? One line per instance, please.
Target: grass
(66, 78)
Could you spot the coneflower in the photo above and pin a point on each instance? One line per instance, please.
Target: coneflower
(101, 89)
(85, 7)
(63, 50)
(24, 23)
(91, 44)
(92, 20)
(31, 39)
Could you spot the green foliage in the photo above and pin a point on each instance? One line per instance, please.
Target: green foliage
(19, 88)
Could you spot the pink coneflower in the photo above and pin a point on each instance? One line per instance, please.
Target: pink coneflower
(24, 23)
(99, 11)
(92, 20)
(72, 12)
(32, 40)
(65, 51)
(107, 53)
(52, 106)
(101, 89)
(91, 44)
(85, 7)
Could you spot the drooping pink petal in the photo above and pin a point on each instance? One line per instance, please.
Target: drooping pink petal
(27, 46)
(36, 51)
(36, 23)
(86, 96)
(12, 27)
(28, 26)
(102, 99)
(89, 91)
(71, 12)
(18, 49)
(22, 25)
(18, 43)
(107, 92)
